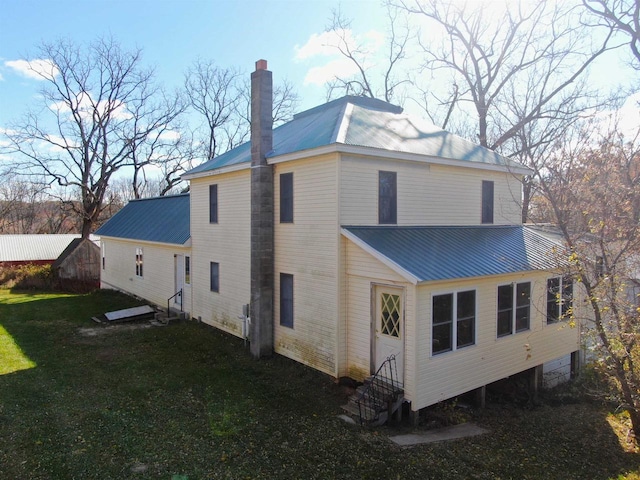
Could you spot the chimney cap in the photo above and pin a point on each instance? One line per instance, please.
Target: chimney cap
(261, 65)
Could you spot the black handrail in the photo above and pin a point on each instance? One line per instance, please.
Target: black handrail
(178, 293)
(380, 391)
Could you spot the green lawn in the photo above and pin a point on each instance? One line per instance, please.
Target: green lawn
(186, 401)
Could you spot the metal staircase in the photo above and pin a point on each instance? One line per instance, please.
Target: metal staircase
(379, 397)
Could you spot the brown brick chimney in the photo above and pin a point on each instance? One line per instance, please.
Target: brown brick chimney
(262, 248)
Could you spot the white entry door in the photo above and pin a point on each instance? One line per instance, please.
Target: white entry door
(179, 279)
(389, 327)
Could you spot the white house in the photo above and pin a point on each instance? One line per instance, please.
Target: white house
(146, 251)
(356, 232)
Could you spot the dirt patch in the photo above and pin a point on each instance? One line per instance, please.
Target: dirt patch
(97, 331)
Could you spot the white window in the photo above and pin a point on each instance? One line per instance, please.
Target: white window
(453, 321)
(559, 299)
(514, 308)
(139, 262)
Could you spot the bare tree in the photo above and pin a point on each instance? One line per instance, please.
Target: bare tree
(164, 144)
(622, 16)
(221, 97)
(592, 191)
(363, 82)
(96, 107)
(535, 55)
(213, 93)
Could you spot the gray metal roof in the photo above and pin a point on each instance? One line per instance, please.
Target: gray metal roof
(447, 253)
(160, 219)
(363, 122)
(31, 248)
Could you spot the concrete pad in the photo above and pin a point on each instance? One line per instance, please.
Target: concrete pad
(438, 435)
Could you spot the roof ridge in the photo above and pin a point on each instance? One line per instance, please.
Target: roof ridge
(340, 132)
(160, 197)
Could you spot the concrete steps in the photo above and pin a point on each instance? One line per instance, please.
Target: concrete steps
(374, 402)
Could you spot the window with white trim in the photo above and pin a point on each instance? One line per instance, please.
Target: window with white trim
(559, 298)
(514, 308)
(187, 269)
(139, 261)
(453, 321)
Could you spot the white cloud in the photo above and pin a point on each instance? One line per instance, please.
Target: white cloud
(87, 106)
(38, 69)
(323, 44)
(170, 135)
(341, 67)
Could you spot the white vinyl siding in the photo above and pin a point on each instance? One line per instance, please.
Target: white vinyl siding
(308, 249)
(427, 194)
(226, 243)
(158, 282)
(445, 376)
(363, 273)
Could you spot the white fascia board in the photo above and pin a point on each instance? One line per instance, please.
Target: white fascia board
(381, 258)
(186, 244)
(218, 171)
(395, 155)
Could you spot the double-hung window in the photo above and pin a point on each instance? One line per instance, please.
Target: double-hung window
(453, 321)
(139, 262)
(514, 308)
(559, 298)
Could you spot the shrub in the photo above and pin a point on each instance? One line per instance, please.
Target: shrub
(27, 277)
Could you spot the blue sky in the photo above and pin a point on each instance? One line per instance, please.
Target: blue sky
(173, 34)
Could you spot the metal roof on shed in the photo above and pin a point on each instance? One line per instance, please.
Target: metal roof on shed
(31, 248)
(445, 253)
(363, 122)
(159, 219)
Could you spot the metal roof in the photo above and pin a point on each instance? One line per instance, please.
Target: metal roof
(159, 219)
(31, 248)
(363, 122)
(425, 254)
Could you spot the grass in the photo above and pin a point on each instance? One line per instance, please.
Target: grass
(187, 402)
